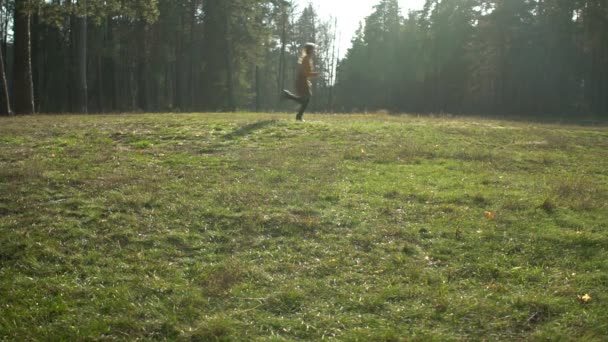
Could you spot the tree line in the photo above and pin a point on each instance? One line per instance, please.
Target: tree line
(504, 57)
(520, 57)
(157, 55)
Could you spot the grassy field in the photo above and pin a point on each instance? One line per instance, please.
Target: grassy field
(226, 227)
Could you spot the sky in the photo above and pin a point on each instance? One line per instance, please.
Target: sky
(350, 13)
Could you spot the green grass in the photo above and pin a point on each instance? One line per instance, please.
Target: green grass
(254, 227)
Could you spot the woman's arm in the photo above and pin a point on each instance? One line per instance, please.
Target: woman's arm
(308, 69)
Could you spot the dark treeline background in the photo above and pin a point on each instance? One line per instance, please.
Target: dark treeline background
(532, 57)
(500, 57)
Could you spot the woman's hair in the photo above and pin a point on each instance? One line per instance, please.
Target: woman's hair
(307, 50)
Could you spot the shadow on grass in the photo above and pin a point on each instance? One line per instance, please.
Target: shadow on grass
(248, 129)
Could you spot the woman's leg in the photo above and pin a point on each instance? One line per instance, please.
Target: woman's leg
(289, 95)
(304, 103)
(304, 100)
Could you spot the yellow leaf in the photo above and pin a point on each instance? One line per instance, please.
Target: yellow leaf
(490, 215)
(586, 298)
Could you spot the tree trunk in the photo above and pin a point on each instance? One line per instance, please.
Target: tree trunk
(193, 56)
(314, 41)
(257, 88)
(5, 108)
(24, 87)
(78, 63)
(332, 69)
(79, 49)
(37, 59)
(5, 105)
(281, 76)
(114, 68)
(179, 57)
(143, 70)
(101, 98)
(228, 59)
(82, 64)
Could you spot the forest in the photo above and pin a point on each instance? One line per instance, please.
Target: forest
(530, 58)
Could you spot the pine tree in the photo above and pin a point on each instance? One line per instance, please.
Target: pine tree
(24, 88)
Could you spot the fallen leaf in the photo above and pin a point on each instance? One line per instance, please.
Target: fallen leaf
(586, 298)
(490, 215)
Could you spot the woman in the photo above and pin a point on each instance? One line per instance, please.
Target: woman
(303, 85)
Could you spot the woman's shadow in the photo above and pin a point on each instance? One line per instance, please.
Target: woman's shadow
(247, 129)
